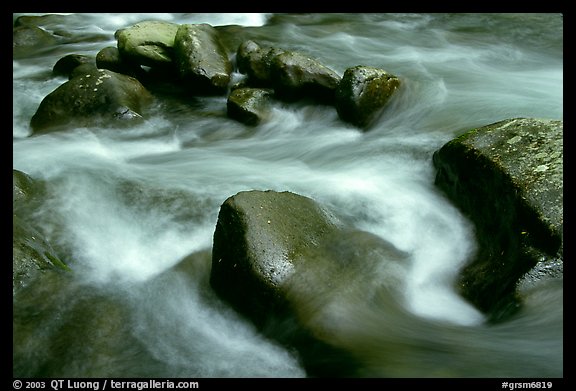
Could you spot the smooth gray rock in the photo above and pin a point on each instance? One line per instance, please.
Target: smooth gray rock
(148, 43)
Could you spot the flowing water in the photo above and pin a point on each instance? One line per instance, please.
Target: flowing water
(136, 208)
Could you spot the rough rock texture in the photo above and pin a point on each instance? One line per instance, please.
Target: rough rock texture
(363, 93)
(508, 178)
(201, 60)
(249, 105)
(255, 62)
(92, 97)
(282, 261)
(148, 43)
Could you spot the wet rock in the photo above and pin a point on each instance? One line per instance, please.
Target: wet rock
(296, 76)
(249, 105)
(507, 178)
(363, 93)
(291, 74)
(201, 60)
(255, 62)
(67, 64)
(32, 255)
(294, 270)
(92, 97)
(149, 43)
(30, 40)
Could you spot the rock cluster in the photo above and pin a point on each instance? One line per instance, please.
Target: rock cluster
(194, 58)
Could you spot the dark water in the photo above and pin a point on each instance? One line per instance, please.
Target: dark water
(131, 205)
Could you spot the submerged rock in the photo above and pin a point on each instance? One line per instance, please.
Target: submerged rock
(507, 178)
(32, 255)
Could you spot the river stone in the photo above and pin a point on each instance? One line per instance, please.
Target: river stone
(363, 93)
(508, 178)
(68, 63)
(249, 105)
(201, 60)
(149, 43)
(297, 76)
(255, 62)
(292, 268)
(32, 255)
(91, 98)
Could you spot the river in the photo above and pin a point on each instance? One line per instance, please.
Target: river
(131, 312)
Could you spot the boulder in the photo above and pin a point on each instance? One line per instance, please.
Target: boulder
(293, 269)
(68, 63)
(296, 76)
(507, 177)
(255, 62)
(149, 43)
(291, 74)
(249, 105)
(363, 93)
(90, 98)
(201, 60)
(110, 58)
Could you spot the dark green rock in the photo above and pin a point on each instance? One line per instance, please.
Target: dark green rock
(92, 97)
(67, 64)
(289, 266)
(507, 178)
(32, 255)
(249, 105)
(297, 76)
(363, 93)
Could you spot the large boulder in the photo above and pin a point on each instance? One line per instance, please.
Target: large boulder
(201, 60)
(92, 97)
(149, 43)
(293, 269)
(507, 177)
(255, 62)
(363, 93)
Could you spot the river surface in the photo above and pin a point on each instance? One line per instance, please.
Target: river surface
(131, 205)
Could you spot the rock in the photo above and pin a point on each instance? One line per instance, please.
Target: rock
(92, 98)
(291, 74)
(293, 269)
(149, 43)
(30, 40)
(255, 62)
(67, 64)
(32, 255)
(363, 93)
(201, 60)
(507, 177)
(109, 58)
(296, 76)
(249, 105)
